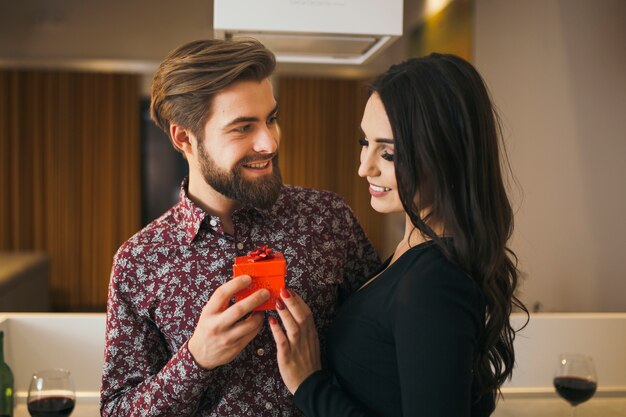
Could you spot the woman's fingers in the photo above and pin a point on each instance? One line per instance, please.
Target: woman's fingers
(282, 343)
(297, 346)
(296, 306)
(292, 328)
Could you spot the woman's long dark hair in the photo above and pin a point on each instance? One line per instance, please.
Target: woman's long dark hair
(446, 134)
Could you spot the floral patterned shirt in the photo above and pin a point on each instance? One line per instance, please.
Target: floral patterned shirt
(165, 274)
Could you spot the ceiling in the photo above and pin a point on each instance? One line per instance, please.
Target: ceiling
(135, 35)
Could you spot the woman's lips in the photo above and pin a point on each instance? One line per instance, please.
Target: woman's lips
(378, 191)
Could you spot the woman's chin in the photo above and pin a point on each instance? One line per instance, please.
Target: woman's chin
(384, 208)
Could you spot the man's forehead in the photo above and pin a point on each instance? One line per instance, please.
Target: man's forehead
(244, 99)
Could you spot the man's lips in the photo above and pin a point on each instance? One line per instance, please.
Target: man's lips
(258, 162)
(257, 165)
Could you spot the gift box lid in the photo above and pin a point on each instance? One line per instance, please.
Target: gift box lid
(244, 265)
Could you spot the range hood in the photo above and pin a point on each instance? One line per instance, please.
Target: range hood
(313, 31)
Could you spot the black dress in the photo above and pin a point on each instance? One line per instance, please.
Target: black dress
(404, 345)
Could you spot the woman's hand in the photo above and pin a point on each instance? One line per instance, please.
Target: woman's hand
(298, 346)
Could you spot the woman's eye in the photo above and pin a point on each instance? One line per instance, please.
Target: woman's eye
(273, 119)
(387, 156)
(363, 142)
(243, 129)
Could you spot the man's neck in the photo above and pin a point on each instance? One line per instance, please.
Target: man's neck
(212, 202)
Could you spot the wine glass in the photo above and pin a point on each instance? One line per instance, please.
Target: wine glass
(575, 378)
(51, 393)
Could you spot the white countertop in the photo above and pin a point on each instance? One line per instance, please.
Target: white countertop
(518, 407)
(557, 407)
(76, 342)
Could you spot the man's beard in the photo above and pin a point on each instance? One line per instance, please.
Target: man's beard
(260, 192)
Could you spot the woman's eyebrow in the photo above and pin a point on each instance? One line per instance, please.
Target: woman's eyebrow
(379, 140)
(384, 140)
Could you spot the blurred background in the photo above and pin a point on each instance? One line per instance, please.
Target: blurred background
(82, 167)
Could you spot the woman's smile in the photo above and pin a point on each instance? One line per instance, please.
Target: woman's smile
(378, 191)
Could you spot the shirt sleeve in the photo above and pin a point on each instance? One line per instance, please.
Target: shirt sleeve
(437, 321)
(140, 377)
(362, 261)
(318, 396)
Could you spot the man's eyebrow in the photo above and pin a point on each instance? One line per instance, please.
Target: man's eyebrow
(245, 119)
(378, 140)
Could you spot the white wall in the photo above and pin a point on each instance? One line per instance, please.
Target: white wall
(557, 71)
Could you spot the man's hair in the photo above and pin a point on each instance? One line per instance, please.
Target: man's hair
(185, 82)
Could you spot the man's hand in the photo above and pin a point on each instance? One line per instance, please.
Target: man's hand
(220, 335)
(298, 347)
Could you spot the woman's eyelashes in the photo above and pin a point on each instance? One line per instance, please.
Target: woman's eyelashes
(385, 155)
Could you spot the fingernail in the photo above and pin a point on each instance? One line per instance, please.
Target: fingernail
(247, 279)
(280, 305)
(272, 320)
(266, 294)
(291, 293)
(284, 293)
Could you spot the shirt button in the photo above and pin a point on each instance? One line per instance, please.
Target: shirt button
(260, 351)
(240, 246)
(213, 222)
(268, 406)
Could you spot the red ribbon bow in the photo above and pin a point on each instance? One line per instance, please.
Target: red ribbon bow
(261, 254)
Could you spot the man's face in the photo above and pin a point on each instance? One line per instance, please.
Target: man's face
(238, 156)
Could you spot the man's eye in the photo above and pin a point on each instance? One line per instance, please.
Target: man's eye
(243, 129)
(363, 142)
(273, 119)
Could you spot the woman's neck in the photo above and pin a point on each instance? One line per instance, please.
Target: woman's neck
(413, 237)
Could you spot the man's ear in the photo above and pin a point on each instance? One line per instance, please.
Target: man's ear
(181, 138)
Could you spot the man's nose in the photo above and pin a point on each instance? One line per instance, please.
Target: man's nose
(266, 141)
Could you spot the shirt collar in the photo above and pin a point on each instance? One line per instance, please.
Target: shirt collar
(193, 215)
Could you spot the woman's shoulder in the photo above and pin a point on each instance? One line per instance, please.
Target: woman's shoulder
(426, 271)
(433, 288)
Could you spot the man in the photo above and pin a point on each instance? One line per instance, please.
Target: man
(174, 345)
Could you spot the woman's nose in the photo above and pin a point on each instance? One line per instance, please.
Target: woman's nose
(367, 168)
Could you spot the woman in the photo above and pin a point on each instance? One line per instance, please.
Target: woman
(429, 335)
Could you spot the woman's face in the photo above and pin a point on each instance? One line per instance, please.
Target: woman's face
(377, 157)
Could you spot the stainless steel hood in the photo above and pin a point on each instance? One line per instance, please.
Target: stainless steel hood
(313, 31)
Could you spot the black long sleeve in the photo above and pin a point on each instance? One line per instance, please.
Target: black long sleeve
(318, 396)
(403, 346)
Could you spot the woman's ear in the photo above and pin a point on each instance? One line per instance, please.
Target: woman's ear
(181, 138)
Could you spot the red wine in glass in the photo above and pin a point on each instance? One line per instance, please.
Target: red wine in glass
(574, 389)
(51, 394)
(575, 379)
(51, 407)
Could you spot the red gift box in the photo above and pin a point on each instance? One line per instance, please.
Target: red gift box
(266, 273)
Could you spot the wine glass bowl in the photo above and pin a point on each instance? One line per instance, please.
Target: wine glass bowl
(51, 394)
(575, 379)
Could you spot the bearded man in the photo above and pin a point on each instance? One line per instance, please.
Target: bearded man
(175, 344)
